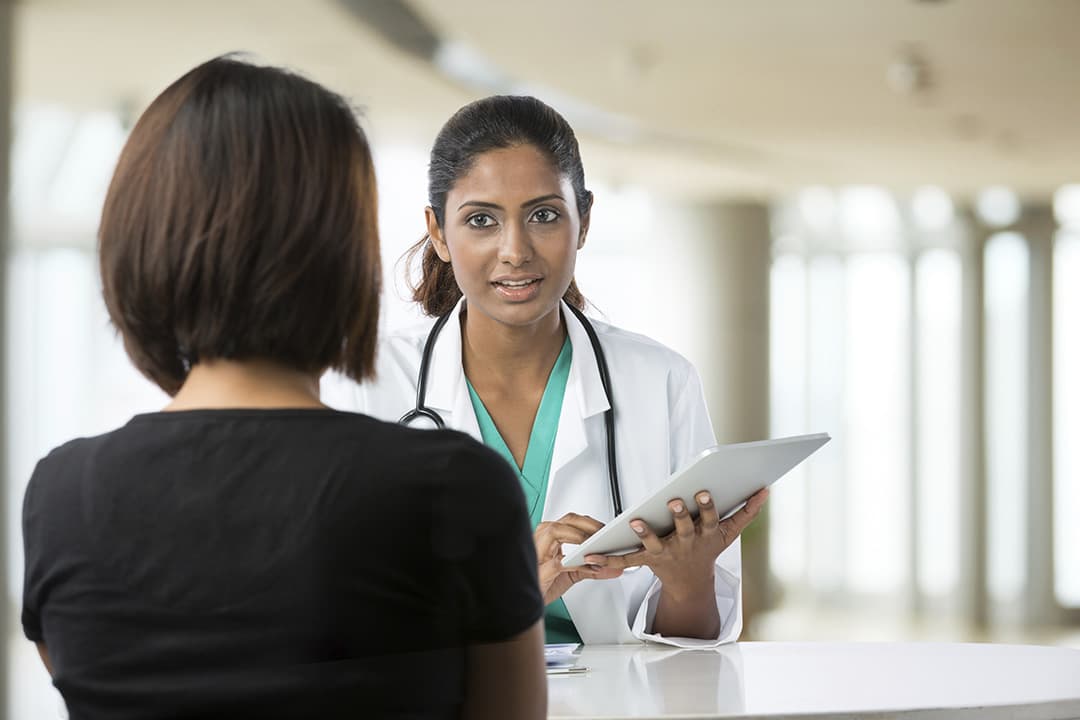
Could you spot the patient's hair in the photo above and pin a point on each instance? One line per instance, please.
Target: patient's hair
(492, 123)
(241, 224)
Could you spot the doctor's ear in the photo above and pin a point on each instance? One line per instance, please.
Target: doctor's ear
(436, 235)
(585, 217)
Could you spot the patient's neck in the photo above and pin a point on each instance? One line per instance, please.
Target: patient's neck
(246, 384)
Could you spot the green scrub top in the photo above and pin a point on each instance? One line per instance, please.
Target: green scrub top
(558, 626)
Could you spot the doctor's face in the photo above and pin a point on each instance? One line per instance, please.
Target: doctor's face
(511, 232)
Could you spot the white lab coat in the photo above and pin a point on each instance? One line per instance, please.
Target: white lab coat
(661, 422)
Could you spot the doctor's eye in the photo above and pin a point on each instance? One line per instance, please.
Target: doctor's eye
(545, 215)
(480, 220)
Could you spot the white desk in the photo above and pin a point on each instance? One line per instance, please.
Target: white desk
(837, 680)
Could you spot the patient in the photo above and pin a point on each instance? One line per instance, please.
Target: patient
(248, 552)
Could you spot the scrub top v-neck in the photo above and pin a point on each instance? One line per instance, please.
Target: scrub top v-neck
(536, 468)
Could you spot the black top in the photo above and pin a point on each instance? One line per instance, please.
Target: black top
(272, 564)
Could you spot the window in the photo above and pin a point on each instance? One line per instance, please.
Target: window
(1006, 356)
(788, 548)
(1066, 398)
(877, 428)
(938, 357)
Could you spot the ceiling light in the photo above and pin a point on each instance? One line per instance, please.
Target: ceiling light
(908, 73)
(932, 208)
(997, 206)
(817, 205)
(1067, 206)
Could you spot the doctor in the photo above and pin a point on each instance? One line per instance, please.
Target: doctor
(513, 362)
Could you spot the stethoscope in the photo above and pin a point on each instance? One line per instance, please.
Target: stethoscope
(422, 411)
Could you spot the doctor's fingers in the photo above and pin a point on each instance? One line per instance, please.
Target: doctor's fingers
(707, 515)
(734, 525)
(652, 544)
(653, 547)
(582, 522)
(587, 572)
(684, 522)
(621, 562)
(553, 534)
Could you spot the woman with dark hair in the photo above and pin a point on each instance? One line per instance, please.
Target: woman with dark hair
(239, 554)
(590, 416)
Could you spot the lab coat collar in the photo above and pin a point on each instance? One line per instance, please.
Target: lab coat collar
(584, 378)
(584, 398)
(448, 393)
(447, 376)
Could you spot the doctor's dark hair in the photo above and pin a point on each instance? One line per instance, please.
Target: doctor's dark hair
(241, 224)
(496, 122)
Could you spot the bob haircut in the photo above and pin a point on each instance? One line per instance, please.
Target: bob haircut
(241, 224)
(491, 123)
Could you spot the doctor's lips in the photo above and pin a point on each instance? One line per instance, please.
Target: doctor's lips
(517, 287)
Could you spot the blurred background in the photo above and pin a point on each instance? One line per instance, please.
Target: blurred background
(854, 217)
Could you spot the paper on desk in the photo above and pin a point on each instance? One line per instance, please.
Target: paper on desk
(560, 658)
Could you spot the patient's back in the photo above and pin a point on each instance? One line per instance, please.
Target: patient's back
(272, 563)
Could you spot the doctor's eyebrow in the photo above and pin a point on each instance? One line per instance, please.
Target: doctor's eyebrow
(527, 203)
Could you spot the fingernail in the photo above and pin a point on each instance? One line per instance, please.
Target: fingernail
(639, 529)
(704, 499)
(677, 507)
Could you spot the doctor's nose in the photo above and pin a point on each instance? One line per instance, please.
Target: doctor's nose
(515, 247)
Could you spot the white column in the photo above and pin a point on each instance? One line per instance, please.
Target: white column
(735, 256)
(973, 488)
(1037, 226)
(733, 245)
(915, 605)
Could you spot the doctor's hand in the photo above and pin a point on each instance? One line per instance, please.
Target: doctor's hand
(549, 538)
(684, 559)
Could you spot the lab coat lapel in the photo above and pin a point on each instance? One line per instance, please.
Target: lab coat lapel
(584, 397)
(447, 392)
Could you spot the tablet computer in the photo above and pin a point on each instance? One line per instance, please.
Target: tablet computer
(730, 473)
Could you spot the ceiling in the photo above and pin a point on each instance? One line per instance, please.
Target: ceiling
(700, 98)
